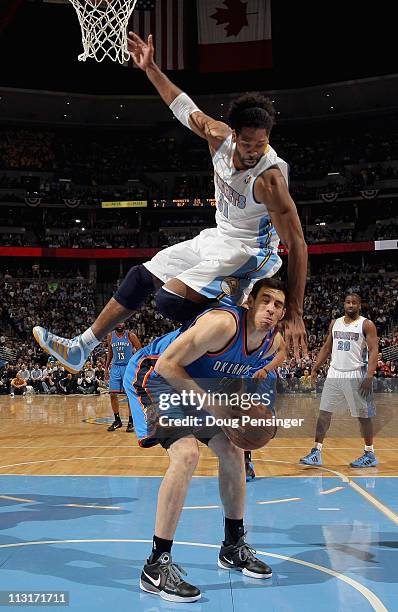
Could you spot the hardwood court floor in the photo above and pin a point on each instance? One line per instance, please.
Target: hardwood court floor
(57, 435)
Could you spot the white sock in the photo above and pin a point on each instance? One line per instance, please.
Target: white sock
(370, 448)
(89, 339)
(318, 445)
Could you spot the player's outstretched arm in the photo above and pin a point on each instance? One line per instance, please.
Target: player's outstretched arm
(183, 108)
(271, 189)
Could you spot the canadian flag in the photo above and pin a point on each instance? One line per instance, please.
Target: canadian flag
(234, 35)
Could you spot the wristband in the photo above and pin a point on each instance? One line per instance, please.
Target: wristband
(182, 107)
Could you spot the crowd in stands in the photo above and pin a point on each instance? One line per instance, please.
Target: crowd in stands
(67, 308)
(160, 233)
(93, 160)
(63, 306)
(102, 156)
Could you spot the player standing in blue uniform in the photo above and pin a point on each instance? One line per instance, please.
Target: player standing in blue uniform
(222, 343)
(121, 346)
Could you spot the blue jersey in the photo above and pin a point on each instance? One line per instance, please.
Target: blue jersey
(121, 348)
(146, 390)
(232, 361)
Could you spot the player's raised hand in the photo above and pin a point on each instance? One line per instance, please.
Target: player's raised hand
(141, 52)
(295, 335)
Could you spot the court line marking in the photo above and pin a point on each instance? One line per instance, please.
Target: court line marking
(133, 446)
(320, 467)
(199, 507)
(76, 459)
(99, 476)
(279, 501)
(19, 499)
(90, 506)
(372, 598)
(329, 508)
(370, 498)
(328, 491)
(376, 502)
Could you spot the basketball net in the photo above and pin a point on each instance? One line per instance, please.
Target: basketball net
(104, 28)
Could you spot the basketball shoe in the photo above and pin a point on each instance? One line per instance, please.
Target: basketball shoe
(163, 578)
(117, 423)
(368, 459)
(240, 557)
(314, 457)
(72, 354)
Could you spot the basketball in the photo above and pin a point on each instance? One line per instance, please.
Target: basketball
(256, 427)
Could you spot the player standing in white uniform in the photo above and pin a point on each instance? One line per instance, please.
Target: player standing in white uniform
(254, 210)
(352, 340)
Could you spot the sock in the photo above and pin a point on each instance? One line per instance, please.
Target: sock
(117, 416)
(248, 455)
(159, 546)
(130, 419)
(89, 339)
(370, 448)
(233, 530)
(318, 445)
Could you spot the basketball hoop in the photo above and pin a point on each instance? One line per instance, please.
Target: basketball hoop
(104, 28)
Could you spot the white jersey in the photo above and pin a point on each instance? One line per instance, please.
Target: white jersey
(239, 215)
(349, 350)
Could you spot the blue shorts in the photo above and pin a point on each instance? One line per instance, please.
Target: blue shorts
(116, 375)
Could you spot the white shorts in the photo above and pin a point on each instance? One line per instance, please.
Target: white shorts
(342, 389)
(215, 265)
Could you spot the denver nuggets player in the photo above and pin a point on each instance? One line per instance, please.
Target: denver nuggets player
(254, 211)
(352, 340)
(223, 342)
(121, 346)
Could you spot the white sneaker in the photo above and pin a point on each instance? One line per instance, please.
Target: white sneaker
(72, 354)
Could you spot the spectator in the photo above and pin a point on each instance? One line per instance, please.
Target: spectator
(36, 376)
(67, 385)
(18, 386)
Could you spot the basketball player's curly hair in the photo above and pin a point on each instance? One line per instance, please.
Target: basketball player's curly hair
(251, 110)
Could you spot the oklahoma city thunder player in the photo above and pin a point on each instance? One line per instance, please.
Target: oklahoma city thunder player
(121, 346)
(222, 342)
(354, 345)
(254, 210)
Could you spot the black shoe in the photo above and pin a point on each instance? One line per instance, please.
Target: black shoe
(163, 578)
(240, 557)
(130, 427)
(115, 425)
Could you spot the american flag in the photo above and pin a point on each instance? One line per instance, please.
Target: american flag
(164, 19)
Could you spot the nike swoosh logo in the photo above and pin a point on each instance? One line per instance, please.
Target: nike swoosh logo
(155, 582)
(227, 560)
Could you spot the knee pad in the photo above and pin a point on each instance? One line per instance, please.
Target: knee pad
(135, 287)
(179, 309)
